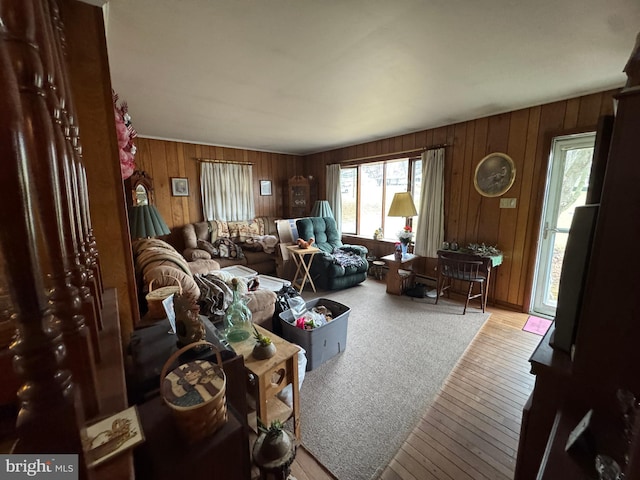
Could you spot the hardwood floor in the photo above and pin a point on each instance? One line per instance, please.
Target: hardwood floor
(471, 430)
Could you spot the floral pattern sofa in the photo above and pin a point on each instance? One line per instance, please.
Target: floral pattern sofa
(249, 243)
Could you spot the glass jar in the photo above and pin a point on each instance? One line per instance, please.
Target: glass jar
(238, 326)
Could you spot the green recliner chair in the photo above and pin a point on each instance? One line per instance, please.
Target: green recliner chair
(337, 265)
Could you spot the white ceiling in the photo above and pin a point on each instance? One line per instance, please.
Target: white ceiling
(301, 76)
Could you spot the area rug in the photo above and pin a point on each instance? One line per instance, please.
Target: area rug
(359, 406)
(537, 325)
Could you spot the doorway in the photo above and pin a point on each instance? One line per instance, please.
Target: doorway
(566, 188)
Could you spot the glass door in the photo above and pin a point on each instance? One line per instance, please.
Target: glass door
(567, 183)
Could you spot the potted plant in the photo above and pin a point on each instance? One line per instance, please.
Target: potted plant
(264, 347)
(274, 445)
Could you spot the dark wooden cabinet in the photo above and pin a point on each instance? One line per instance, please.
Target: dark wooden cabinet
(606, 355)
(301, 196)
(165, 454)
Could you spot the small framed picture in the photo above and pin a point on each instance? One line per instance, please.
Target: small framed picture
(112, 436)
(179, 186)
(265, 187)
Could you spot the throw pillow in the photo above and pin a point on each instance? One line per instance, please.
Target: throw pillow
(228, 249)
(208, 247)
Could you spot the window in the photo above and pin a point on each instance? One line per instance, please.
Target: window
(348, 183)
(367, 193)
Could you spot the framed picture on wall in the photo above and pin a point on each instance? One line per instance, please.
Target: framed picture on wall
(179, 186)
(265, 187)
(494, 175)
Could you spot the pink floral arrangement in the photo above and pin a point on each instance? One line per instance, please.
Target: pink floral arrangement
(126, 133)
(406, 234)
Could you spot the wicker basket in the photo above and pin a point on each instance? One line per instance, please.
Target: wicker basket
(155, 297)
(195, 393)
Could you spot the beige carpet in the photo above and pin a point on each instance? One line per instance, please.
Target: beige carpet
(358, 407)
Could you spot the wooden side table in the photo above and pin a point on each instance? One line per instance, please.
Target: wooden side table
(395, 281)
(303, 258)
(268, 378)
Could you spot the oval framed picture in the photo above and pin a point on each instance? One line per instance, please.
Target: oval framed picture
(494, 175)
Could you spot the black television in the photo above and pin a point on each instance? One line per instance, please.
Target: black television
(572, 277)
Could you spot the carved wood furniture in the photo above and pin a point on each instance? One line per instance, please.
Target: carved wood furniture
(52, 269)
(299, 197)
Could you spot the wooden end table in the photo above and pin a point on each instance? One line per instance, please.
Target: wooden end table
(303, 258)
(268, 377)
(394, 280)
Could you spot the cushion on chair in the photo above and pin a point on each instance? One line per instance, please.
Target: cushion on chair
(326, 269)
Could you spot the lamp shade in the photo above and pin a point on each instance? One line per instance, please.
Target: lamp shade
(321, 209)
(402, 206)
(145, 221)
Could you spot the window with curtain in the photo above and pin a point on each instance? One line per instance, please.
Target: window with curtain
(367, 193)
(227, 191)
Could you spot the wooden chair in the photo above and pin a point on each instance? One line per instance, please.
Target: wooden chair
(455, 268)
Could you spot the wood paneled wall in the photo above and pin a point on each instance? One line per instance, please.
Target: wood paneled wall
(525, 135)
(163, 159)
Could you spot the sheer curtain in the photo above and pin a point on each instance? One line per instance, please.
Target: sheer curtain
(227, 191)
(430, 234)
(334, 193)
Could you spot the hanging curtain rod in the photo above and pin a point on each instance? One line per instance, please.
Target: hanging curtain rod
(208, 160)
(401, 152)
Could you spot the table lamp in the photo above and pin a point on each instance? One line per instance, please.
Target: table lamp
(321, 209)
(402, 206)
(145, 221)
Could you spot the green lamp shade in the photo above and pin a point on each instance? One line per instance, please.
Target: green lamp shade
(321, 209)
(145, 221)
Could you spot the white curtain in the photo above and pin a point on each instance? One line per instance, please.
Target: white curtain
(334, 193)
(227, 191)
(430, 234)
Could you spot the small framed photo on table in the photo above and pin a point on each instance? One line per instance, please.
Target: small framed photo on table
(265, 187)
(179, 186)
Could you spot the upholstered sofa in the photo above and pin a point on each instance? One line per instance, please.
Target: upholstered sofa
(337, 265)
(159, 264)
(257, 240)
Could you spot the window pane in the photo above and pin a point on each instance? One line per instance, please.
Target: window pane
(397, 174)
(348, 184)
(371, 198)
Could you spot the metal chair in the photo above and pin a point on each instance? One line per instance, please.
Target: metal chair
(455, 268)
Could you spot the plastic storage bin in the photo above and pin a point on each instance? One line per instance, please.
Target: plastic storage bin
(321, 343)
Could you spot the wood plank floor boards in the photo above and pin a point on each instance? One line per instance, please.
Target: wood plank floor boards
(472, 428)
(307, 467)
